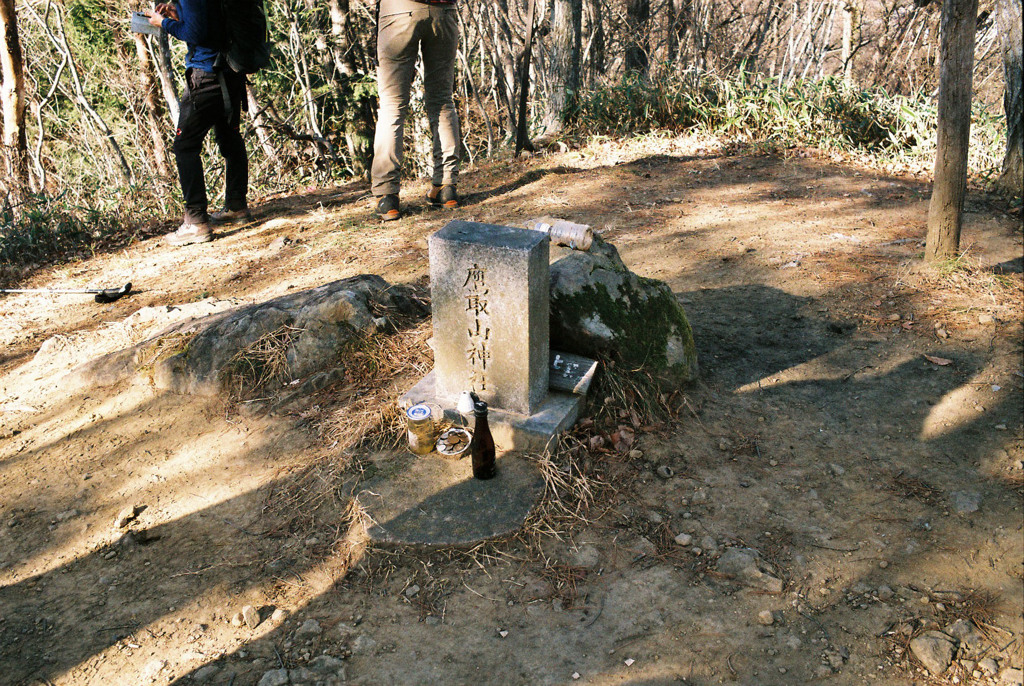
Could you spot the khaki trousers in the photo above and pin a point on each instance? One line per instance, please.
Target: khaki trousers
(406, 28)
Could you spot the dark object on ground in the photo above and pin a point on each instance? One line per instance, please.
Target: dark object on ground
(103, 295)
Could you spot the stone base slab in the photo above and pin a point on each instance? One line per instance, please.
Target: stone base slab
(511, 431)
(434, 501)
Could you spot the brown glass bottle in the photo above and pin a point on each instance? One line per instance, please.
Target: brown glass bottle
(483, 444)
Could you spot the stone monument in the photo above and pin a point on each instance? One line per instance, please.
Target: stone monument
(490, 291)
(490, 299)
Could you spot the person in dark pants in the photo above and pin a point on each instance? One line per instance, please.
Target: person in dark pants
(213, 99)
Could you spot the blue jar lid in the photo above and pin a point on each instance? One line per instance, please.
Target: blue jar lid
(418, 412)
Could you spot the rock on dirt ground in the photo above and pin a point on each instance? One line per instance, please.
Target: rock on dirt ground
(855, 434)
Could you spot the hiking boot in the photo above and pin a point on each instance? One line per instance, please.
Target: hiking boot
(443, 196)
(387, 208)
(187, 234)
(227, 216)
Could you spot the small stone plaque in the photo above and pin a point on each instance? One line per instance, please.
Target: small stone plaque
(571, 373)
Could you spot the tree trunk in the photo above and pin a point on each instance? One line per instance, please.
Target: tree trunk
(638, 13)
(945, 211)
(165, 73)
(597, 41)
(153, 109)
(1008, 23)
(256, 112)
(348, 54)
(847, 54)
(12, 100)
(522, 125)
(563, 65)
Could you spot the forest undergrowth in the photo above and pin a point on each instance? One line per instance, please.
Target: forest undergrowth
(747, 113)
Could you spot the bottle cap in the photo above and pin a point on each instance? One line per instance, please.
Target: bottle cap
(418, 412)
(480, 407)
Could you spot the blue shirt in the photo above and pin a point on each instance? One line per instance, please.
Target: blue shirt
(200, 26)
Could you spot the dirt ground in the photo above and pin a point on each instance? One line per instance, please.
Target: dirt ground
(858, 423)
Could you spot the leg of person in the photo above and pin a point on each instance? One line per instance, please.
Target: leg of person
(396, 57)
(196, 116)
(439, 47)
(232, 147)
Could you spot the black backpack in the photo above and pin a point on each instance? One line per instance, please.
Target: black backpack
(245, 23)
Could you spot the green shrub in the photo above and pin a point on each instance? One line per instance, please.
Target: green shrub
(49, 230)
(827, 113)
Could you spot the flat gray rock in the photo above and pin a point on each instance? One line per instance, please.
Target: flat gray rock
(198, 356)
(746, 566)
(965, 502)
(433, 501)
(966, 633)
(935, 651)
(275, 677)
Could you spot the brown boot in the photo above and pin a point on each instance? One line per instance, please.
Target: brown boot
(231, 216)
(443, 196)
(187, 234)
(388, 209)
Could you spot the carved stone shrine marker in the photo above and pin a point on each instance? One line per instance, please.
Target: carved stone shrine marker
(490, 301)
(489, 289)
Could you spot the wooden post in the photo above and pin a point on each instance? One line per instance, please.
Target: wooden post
(949, 187)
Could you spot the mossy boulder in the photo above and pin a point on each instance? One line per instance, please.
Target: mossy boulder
(599, 308)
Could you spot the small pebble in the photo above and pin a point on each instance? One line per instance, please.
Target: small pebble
(684, 539)
(989, 666)
(766, 617)
(883, 564)
(251, 616)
